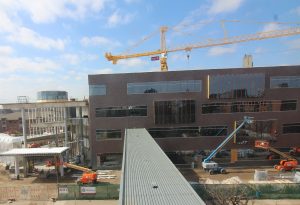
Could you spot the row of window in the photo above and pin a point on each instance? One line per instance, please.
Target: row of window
(250, 106)
(184, 111)
(164, 87)
(285, 82)
(236, 86)
(220, 86)
(174, 112)
(125, 111)
(262, 130)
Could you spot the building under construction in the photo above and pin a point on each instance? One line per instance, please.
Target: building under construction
(194, 110)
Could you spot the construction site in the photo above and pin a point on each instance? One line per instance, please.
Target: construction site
(222, 136)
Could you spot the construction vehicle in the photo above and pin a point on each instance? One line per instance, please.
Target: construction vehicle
(287, 164)
(213, 167)
(88, 176)
(34, 145)
(163, 51)
(295, 151)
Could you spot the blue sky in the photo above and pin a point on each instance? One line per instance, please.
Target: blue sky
(55, 44)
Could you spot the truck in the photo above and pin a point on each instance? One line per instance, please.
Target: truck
(288, 163)
(213, 167)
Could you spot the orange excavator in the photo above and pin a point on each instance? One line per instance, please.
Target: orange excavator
(287, 164)
(88, 176)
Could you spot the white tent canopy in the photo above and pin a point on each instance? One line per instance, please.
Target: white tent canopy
(7, 143)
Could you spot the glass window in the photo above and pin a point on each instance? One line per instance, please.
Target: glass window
(291, 128)
(250, 106)
(97, 90)
(258, 130)
(108, 134)
(285, 82)
(236, 86)
(164, 87)
(167, 132)
(125, 111)
(213, 131)
(175, 112)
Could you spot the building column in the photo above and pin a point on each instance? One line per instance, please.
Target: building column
(24, 127)
(25, 163)
(61, 165)
(66, 142)
(17, 168)
(81, 136)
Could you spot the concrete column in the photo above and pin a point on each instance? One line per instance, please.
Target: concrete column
(81, 135)
(66, 142)
(24, 127)
(17, 168)
(25, 164)
(61, 167)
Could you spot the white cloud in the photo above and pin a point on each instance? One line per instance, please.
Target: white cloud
(27, 36)
(77, 58)
(222, 6)
(271, 27)
(48, 11)
(294, 44)
(219, 50)
(71, 58)
(6, 24)
(133, 62)
(131, 1)
(6, 50)
(117, 18)
(14, 64)
(103, 71)
(296, 11)
(99, 41)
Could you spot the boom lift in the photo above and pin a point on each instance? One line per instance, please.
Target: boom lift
(88, 176)
(213, 167)
(287, 164)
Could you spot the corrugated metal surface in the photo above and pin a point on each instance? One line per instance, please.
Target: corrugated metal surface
(149, 177)
(34, 151)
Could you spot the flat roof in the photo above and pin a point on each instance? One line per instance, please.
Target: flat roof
(35, 151)
(44, 104)
(149, 176)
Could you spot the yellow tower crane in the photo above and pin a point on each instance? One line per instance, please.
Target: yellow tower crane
(163, 51)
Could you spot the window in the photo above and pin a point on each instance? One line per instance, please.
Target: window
(188, 131)
(164, 87)
(97, 90)
(250, 106)
(291, 128)
(285, 82)
(108, 134)
(175, 112)
(213, 131)
(125, 111)
(236, 86)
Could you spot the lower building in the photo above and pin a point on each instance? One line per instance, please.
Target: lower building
(193, 110)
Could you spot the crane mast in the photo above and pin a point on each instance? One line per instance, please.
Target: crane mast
(163, 51)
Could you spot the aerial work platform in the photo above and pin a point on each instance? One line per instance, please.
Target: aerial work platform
(148, 175)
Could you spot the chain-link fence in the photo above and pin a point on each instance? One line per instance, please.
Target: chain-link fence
(100, 191)
(32, 192)
(228, 193)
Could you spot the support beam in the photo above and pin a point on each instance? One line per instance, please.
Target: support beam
(24, 127)
(66, 142)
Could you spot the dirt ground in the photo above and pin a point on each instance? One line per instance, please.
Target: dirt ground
(245, 175)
